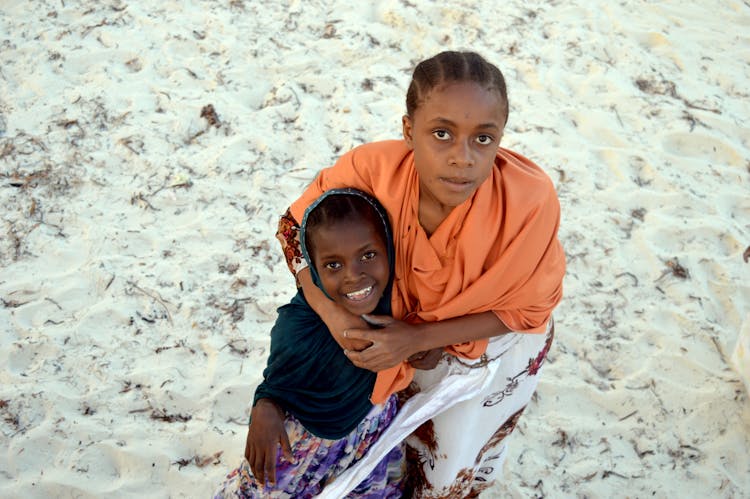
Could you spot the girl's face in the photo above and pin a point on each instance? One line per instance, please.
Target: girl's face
(454, 133)
(352, 261)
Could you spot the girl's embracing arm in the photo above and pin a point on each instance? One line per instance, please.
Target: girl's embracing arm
(334, 315)
(398, 340)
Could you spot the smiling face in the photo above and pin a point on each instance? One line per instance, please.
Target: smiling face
(352, 261)
(455, 133)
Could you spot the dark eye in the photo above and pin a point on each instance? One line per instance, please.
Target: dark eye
(369, 255)
(441, 134)
(485, 140)
(332, 265)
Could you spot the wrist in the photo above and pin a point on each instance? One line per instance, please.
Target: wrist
(423, 338)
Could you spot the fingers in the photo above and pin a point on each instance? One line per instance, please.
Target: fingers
(355, 357)
(378, 320)
(358, 359)
(270, 468)
(358, 334)
(361, 359)
(248, 449)
(256, 466)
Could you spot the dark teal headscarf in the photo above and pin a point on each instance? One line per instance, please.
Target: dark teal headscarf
(307, 373)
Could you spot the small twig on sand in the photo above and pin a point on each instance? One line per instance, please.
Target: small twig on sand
(608, 473)
(163, 415)
(629, 415)
(668, 88)
(674, 268)
(200, 461)
(154, 296)
(629, 274)
(142, 198)
(719, 349)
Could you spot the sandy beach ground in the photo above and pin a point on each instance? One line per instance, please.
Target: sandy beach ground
(147, 149)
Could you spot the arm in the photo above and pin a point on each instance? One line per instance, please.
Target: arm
(460, 330)
(336, 318)
(398, 340)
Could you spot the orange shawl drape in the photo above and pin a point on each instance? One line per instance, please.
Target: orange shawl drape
(498, 251)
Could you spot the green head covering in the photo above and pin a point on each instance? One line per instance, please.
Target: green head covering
(385, 229)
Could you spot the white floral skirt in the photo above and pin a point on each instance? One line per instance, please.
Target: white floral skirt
(457, 417)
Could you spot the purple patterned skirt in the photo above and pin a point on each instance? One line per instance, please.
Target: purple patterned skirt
(318, 461)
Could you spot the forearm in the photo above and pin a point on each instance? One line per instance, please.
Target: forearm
(315, 297)
(398, 341)
(458, 330)
(335, 317)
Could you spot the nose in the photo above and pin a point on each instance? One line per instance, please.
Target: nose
(462, 154)
(353, 272)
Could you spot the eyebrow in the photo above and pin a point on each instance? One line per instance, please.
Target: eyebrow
(370, 246)
(446, 121)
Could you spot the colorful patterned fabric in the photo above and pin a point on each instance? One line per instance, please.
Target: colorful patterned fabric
(288, 236)
(486, 395)
(319, 461)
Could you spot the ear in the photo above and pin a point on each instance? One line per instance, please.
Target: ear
(406, 125)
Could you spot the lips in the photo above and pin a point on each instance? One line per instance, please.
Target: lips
(457, 183)
(360, 295)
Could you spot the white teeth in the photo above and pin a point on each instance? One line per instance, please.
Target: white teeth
(357, 295)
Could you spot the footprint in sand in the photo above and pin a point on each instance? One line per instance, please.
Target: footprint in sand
(698, 145)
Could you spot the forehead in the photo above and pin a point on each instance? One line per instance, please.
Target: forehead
(341, 235)
(463, 101)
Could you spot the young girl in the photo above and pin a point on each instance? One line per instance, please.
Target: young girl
(312, 395)
(479, 270)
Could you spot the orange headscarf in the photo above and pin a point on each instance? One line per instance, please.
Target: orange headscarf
(498, 251)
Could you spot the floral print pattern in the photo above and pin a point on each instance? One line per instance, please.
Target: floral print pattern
(532, 369)
(439, 466)
(318, 461)
(288, 236)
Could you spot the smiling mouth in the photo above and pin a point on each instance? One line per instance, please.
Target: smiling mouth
(360, 295)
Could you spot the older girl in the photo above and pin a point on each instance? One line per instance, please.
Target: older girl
(479, 270)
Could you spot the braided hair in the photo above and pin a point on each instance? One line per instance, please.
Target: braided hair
(453, 67)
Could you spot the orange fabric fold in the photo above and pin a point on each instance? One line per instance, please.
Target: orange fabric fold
(498, 251)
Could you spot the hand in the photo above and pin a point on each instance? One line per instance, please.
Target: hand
(426, 360)
(390, 345)
(343, 321)
(265, 434)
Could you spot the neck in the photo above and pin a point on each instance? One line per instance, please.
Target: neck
(431, 213)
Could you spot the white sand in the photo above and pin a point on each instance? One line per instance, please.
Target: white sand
(139, 273)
